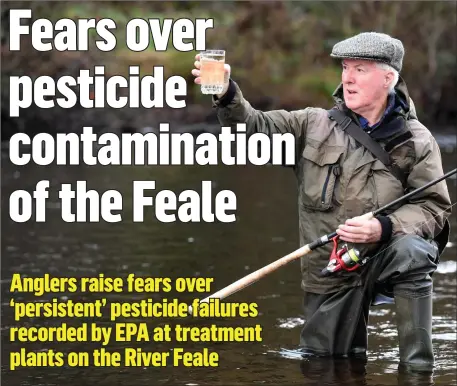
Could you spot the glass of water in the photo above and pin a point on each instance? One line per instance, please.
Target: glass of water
(212, 71)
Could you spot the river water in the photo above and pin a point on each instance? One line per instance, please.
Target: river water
(266, 229)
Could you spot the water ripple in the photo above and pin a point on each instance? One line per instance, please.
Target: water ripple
(447, 267)
(290, 322)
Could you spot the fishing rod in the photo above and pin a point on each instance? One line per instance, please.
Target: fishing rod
(348, 259)
(343, 257)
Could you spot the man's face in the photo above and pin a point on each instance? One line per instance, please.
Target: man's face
(364, 84)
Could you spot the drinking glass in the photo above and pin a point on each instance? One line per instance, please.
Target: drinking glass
(212, 71)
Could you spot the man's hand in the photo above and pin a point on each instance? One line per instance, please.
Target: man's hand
(360, 230)
(198, 79)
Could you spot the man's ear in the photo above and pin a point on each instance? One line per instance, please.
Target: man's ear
(388, 79)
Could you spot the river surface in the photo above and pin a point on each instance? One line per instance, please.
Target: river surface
(266, 229)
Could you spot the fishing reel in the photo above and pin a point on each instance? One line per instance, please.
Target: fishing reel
(342, 259)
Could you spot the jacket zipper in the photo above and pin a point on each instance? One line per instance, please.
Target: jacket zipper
(324, 190)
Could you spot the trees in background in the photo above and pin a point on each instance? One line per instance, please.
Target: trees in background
(279, 50)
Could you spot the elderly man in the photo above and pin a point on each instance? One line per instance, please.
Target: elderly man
(339, 180)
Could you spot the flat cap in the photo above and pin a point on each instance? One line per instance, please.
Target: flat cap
(374, 46)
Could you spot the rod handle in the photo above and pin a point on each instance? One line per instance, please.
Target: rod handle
(256, 275)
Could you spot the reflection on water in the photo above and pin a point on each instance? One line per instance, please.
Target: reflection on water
(447, 267)
(290, 322)
(266, 229)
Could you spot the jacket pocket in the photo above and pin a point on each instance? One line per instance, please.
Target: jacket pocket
(386, 187)
(320, 172)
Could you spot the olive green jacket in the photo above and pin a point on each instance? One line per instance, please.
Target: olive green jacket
(338, 179)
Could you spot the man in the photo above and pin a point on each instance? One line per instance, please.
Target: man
(339, 180)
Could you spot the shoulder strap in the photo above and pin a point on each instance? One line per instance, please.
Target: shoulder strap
(349, 126)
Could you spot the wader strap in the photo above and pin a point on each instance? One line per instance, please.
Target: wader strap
(349, 126)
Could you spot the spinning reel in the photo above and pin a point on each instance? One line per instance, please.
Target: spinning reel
(342, 259)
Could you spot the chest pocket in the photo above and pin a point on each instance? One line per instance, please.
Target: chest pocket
(386, 187)
(320, 172)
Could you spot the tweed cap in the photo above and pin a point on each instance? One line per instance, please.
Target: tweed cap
(371, 46)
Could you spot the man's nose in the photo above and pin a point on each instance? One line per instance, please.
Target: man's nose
(347, 77)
